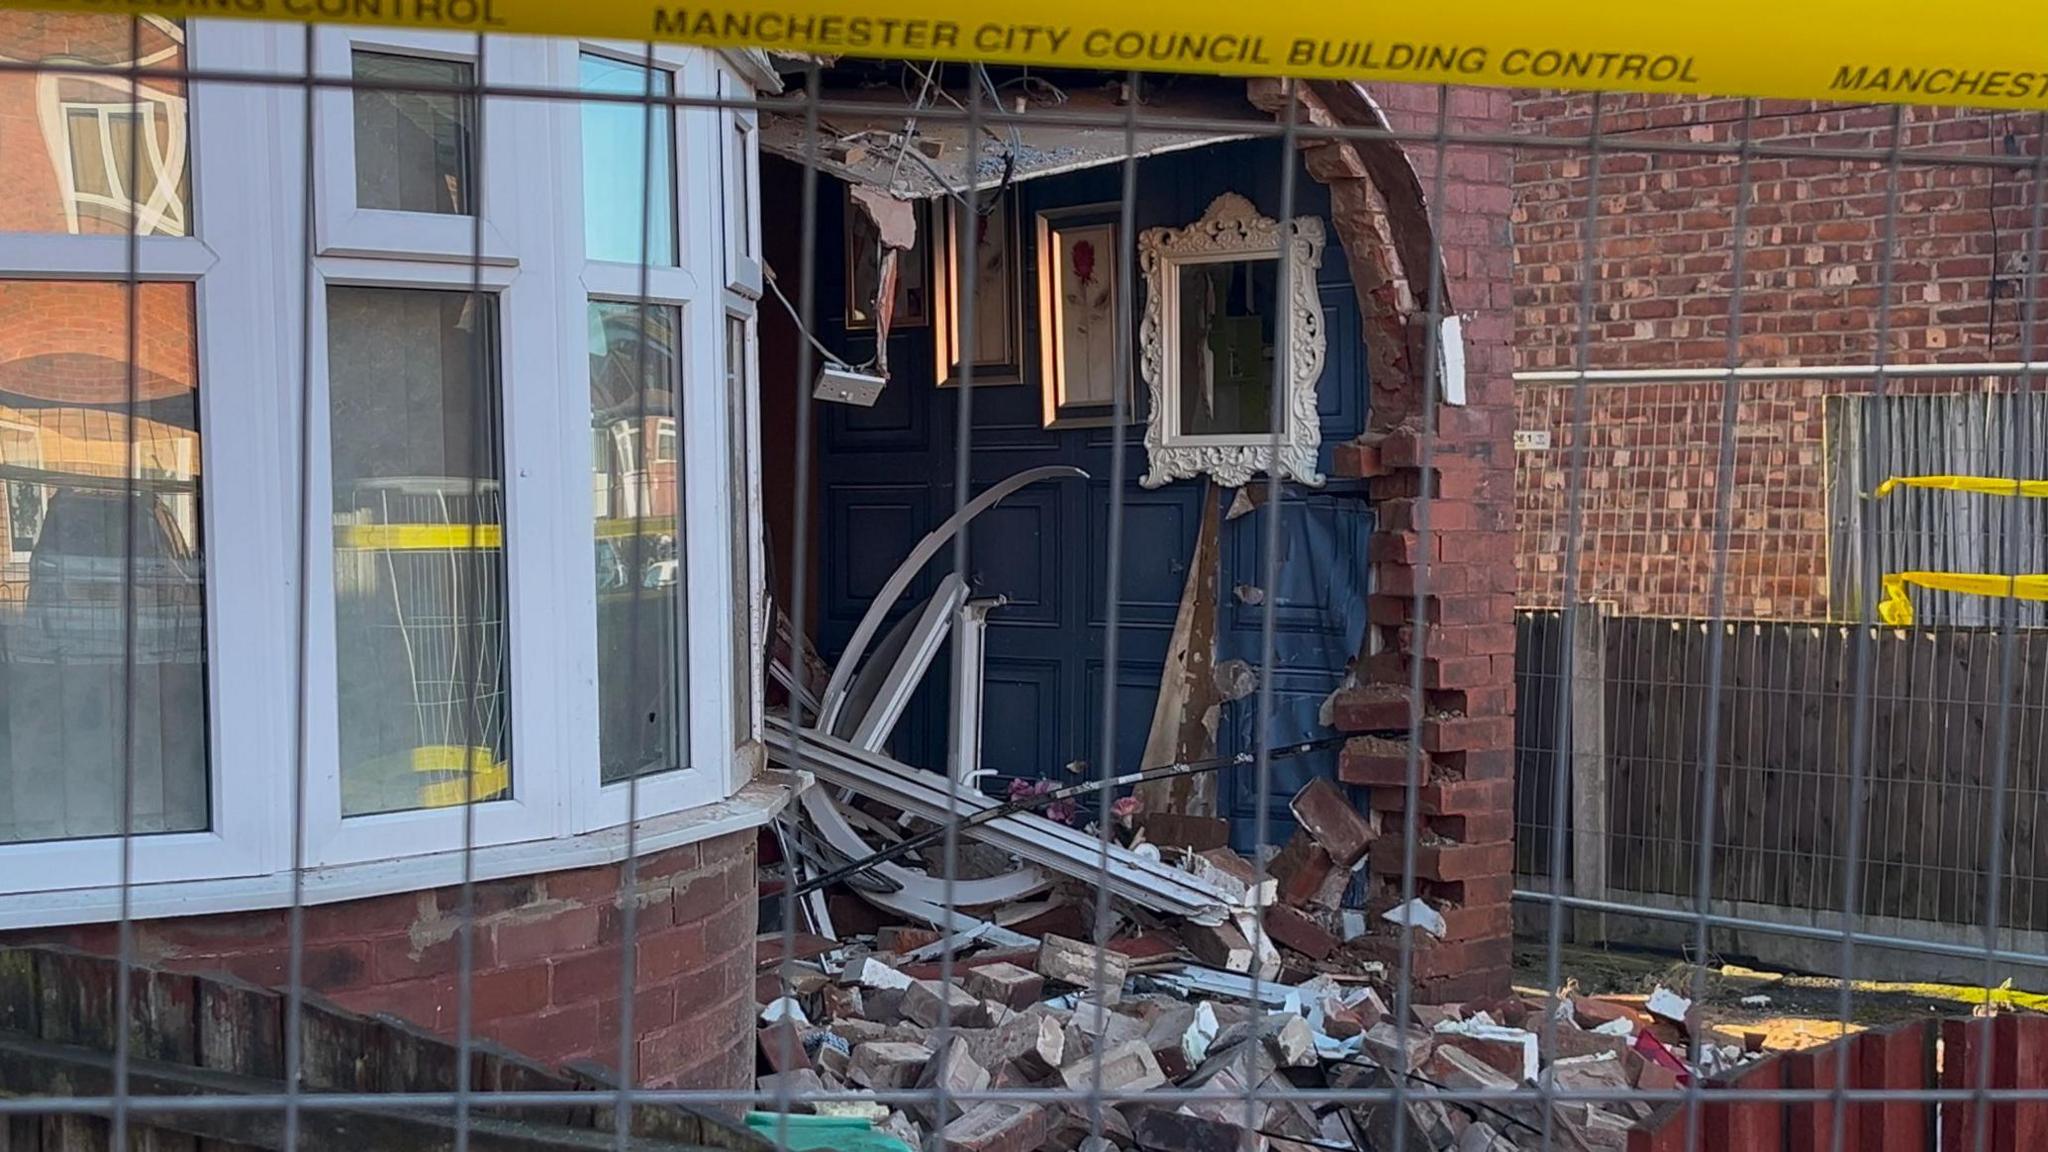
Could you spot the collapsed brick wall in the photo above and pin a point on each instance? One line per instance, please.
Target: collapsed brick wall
(1663, 274)
(1393, 227)
(546, 960)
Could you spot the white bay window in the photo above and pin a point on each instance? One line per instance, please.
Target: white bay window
(525, 333)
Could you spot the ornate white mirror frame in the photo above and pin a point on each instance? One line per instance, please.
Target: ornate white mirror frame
(1232, 231)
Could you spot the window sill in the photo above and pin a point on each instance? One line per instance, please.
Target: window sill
(752, 806)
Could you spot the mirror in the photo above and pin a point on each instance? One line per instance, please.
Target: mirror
(1223, 366)
(1215, 332)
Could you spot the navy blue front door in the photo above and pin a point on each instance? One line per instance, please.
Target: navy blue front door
(888, 476)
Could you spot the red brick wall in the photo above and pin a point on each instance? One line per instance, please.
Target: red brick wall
(1463, 563)
(1663, 274)
(547, 960)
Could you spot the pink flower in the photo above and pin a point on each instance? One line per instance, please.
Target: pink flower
(1125, 808)
(1084, 261)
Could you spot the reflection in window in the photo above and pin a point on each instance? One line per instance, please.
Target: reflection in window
(639, 533)
(68, 596)
(86, 153)
(1226, 347)
(419, 565)
(412, 147)
(618, 139)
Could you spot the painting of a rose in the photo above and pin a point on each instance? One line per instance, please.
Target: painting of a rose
(1081, 314)
(1088, 317)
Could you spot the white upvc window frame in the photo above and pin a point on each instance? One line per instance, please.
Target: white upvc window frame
(242, 510)
(708, 773)
(740, 223)
(342, 228)
(247, 208)
(740, 185)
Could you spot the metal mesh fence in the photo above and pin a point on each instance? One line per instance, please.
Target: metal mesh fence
(1112, 614)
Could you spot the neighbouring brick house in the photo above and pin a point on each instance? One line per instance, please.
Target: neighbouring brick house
(1812, 277)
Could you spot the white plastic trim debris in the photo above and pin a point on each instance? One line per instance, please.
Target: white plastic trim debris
(1047, 843)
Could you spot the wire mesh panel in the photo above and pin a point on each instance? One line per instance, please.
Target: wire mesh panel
(880, 599)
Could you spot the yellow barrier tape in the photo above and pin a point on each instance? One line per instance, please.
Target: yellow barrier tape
(417, 537)
(1985, 53)
(1987, 485)
(488, 779)
(1897, 607)
(2004, 994)
(430, 537)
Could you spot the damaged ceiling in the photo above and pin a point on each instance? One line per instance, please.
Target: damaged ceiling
(862, 147)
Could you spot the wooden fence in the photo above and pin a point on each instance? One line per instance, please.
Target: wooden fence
(1786, 739)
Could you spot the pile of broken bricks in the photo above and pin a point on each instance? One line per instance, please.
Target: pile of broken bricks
(1256, 1029)
(1227, 1045)
(868, 1032)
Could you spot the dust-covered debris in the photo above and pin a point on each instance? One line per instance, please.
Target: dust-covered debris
(1269, 996)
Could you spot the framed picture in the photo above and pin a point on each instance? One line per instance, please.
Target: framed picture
(996, 345)
(864, 272)
(1081, 316)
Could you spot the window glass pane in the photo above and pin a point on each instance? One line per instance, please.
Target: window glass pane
(412, 147)
(71, 159)
(65, 588)
(739, 209)
(742, 530)
(419, 563)
(616, 149)
(640, 580)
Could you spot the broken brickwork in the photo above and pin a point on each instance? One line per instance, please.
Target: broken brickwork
(1449, 534)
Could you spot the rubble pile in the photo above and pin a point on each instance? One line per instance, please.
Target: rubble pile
(862, 1021)
(1238, 1010)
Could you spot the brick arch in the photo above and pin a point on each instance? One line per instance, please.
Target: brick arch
(1382, 222)
(1464, 639)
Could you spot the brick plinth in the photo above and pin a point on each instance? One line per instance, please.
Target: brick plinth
(546, 960)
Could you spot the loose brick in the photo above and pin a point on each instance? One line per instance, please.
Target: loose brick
(1218, 945)
(1301, 869)
(1391, 1047)
(1327, 813)
(1074, 962)
(928, 1002)
(955, 1070)
(1007, 984)
(883, 1064)
(1300, 931)
(1129, 1067)
(995, 1126)
(1159, 1129)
